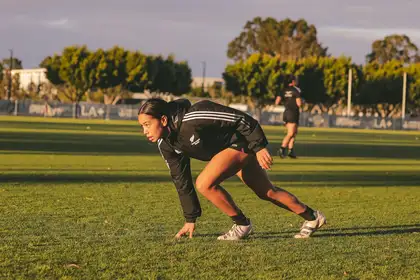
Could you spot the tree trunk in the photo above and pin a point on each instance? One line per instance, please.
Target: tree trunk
(88, 99)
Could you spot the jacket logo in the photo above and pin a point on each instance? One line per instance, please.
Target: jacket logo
(288, 94)
(194, 142)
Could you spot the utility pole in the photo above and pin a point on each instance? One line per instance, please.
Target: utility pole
(404, 95)
(349, 93)
(9, 87)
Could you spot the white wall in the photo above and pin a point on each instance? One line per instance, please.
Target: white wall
(26, 76)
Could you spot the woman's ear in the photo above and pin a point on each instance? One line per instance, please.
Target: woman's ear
(164, 121)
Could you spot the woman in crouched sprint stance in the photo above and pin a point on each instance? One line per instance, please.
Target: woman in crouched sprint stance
(233, 143)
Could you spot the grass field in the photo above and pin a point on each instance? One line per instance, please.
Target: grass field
(92, 200)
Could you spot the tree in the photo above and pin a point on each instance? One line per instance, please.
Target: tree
(183, 78)
(16, 92)
(413, 88)
(32, 91)
(137, 78)
(167, 75)
(324, 80)
(381, 87)
(3, 85)
(71, 71)
(16, 63)
(1, 72)
(112, 74)
(4, 79)
(48, 92)
(89, 69)
(53, 65)
(256, 79)
(287, 38)
(382, 83)
(161, 74)
(112, 68)
(393, 47)
(335, 77)
(311, 77)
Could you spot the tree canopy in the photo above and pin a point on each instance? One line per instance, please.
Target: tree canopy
(115, 71)
(287, 39)
(394, 47)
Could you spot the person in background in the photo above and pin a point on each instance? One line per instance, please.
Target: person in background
(291, 97)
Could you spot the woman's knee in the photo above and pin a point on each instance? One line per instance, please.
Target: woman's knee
(202, 185)
(290, 133)
(271, 194)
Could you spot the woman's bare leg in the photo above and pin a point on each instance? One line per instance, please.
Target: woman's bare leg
(256, 178)
(294, 129)
(221, 167)
(290, 133)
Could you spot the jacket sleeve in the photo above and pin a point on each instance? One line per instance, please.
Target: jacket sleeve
(224, 116)
(180, 170)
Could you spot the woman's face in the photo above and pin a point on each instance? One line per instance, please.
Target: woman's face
(153, 128)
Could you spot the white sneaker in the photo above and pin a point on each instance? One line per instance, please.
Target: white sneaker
(236, 232)
(309, 227)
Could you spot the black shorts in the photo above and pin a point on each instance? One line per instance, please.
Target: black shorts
(291, 117)
(241, 146)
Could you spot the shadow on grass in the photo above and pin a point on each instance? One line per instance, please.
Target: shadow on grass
(62, 143)
(354, 150)
(350, 178)
(313, 179)
(81, 178)
(369, 233)
(120, 144)
(322, 234)
(342, 232)
(53, 124)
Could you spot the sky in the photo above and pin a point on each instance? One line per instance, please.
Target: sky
(193, 30)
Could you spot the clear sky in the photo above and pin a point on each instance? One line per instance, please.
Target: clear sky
(193, 30)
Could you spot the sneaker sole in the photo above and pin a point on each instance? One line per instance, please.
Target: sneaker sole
(245, 237)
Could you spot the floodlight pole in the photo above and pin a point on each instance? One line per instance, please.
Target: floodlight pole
(9, 86)
(404, 95)
(204, 77)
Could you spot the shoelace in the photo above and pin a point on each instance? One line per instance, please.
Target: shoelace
(232, 230)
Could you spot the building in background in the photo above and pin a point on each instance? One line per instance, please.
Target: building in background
(197, 82)
(36, 76)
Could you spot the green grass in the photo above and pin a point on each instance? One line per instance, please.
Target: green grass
(92, 200)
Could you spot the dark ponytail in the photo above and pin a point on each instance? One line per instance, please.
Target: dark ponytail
(155, 107)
